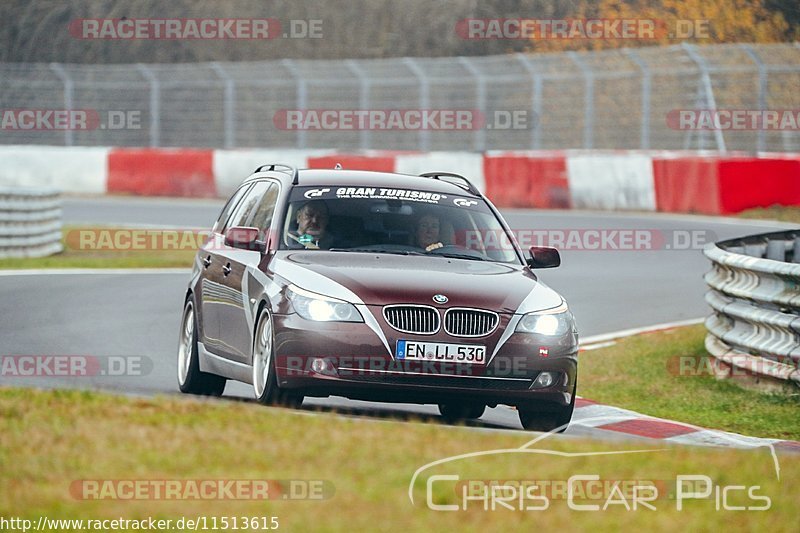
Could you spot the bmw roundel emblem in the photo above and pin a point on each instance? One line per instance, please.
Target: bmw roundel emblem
(440, 298)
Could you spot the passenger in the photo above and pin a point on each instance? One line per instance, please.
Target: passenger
(427, 233)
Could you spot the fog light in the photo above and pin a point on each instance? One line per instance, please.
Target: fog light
(322, 366)
(544, 379)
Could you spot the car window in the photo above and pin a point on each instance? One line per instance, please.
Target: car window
(261, 217)
(226, 211)
(244, 212)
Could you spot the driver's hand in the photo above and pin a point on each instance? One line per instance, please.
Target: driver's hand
(434, 246)
(306, 240)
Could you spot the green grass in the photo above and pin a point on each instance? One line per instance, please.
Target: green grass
(640, 373)
(782, 213)
(49, 439)
(76, 256)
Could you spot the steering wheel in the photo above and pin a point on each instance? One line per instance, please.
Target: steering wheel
(456, 249)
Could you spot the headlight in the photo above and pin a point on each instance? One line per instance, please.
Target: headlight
(313, 306)
(551, 322)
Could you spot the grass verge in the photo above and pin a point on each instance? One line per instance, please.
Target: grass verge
(782, 213)
(51, 439)
(643, 373)
(101, 251)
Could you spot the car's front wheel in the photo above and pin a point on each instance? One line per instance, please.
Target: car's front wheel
(453, 412)
(190, 379)
(265, 382)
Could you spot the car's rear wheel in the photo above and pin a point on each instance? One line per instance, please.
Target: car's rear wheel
(557, 419)
(190, 379)
(265, 382)
(453, 412)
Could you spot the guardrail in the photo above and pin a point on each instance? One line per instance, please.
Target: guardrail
(30, 222)
(754, 331)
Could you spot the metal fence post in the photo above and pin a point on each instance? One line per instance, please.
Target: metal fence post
(588, 101)
(536, 101)
(755, 75)
(761, 136)
(228, 106)
(479, 134)
(644, 141)
(67, 81)
(363, 99)
(155, 104)
(705, 78)
(424, 99)
(301, 98)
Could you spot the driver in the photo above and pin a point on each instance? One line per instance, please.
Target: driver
(312, 226)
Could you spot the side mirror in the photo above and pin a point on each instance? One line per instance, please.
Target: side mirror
(543, 257)
(244, 238)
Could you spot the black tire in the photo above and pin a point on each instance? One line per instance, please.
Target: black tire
(453, 412)
(556, 419)
(190, 379)
(266, 388)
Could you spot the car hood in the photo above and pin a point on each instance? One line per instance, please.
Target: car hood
(381, 279)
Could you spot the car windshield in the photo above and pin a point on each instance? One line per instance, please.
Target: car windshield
(394, 221)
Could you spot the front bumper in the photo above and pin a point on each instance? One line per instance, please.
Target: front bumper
(358, 365)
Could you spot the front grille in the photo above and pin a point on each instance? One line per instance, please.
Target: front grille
(419, 319)
(461, 322)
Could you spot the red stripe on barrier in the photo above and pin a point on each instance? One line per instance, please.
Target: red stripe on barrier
(377, 163)
(747, 183)
(687, 185)
(525, 180)
(161, 172)
(654, 429)
(716, 186)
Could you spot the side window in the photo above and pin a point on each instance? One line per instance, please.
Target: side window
(247, 207)
(262, 216)
(219, 225)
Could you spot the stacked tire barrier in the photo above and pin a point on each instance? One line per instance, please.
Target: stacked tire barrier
(30, 222)
(754, 331)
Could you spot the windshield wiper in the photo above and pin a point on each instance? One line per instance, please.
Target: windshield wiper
(376, 251)
(461, 256)
(408, 252)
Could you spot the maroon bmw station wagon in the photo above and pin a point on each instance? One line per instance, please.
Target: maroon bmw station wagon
(376, 286)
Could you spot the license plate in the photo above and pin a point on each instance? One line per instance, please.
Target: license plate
(438, 351)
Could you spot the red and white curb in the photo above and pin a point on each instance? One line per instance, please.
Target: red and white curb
(589, 413)
(614, 419)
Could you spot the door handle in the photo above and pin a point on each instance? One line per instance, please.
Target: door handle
(207, 262)
(226, 270)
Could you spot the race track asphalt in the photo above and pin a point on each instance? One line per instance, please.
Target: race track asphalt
(137, 314)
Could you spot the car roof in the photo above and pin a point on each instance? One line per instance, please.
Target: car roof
(365, 178)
